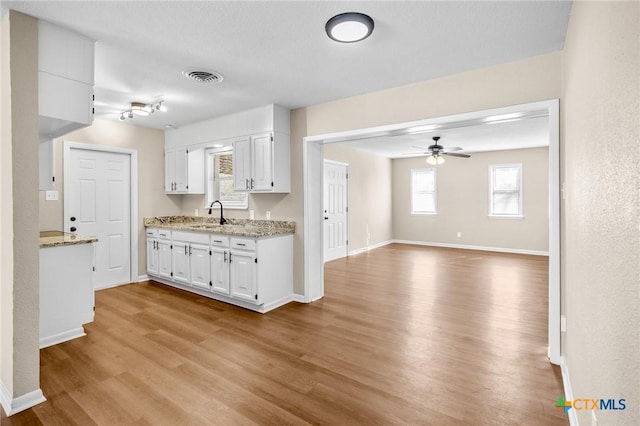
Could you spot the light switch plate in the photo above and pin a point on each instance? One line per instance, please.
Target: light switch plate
(51, 195)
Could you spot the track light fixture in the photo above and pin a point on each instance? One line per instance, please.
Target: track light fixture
(143, 110)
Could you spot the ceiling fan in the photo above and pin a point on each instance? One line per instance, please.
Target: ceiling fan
(436, 150)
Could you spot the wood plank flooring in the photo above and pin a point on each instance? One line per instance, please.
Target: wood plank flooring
(404, 335)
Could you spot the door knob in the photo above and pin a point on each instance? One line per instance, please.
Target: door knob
(73, 219)
(73, 229)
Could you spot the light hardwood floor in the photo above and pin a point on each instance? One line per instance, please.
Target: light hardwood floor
(404, 335)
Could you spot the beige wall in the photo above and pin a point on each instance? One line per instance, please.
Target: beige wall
(19, 239)
(152, 200)
(463, 202)
(601, 263)
(519, 82)
(369, 195)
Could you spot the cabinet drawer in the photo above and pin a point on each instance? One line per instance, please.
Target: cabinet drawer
(192, 237)
(220, 240)
(152, 232)
(243, 244)
(164, 233)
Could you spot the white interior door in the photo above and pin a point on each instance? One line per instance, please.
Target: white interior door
(97, 193)
(336, 231)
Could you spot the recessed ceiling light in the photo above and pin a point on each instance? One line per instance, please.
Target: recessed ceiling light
(349, 27)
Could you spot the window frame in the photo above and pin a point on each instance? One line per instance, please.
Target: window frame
(492, 191)
(434, 193)
(210, 153)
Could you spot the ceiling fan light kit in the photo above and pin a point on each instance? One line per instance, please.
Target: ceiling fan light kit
(436, 151)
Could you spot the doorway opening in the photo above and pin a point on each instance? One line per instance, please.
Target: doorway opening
(313, 157)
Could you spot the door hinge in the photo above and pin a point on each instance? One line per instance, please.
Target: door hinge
(271, 138)
(255, 260)
(171, 246)
(187, 151)
(209, 252)
(187, 187)
(94, 269)
(346, 209)
(94, 309)
(53, 178)
(172, 274)
(347, 176)
(210, 284)
(256, 297)
(272, 184)
(347, 242)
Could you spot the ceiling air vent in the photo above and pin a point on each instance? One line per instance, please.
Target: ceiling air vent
(203, 76)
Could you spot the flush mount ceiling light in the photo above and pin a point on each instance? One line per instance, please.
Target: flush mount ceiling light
(143, 110)
(349, 27)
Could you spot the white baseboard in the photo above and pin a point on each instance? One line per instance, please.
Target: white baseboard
(466, 247)
(61, 337)
(299, 298)
(12, 406)
(142, 278)
(371, 247)
(568, 392)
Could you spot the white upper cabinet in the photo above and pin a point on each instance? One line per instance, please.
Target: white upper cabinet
(184, 171)
(261, 146)
(65, 53)
(65, 80)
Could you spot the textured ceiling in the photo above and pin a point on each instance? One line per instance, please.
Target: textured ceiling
(278, 52)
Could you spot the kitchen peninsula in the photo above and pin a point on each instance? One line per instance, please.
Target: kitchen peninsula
(66, 286)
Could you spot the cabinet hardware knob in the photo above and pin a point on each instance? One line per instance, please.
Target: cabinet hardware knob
(72, 219)
(73, 229)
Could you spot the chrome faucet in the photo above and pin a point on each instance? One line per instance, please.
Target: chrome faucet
(222, 219)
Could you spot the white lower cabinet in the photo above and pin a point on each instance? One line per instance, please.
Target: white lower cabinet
(163, 246)
(180, 262)
(253, 273)
(152, 255)
(243, 276)
(199, 266)
(220, 270)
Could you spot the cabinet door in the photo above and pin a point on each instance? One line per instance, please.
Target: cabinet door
(199, 266)
(243, 276)
(262, 162)
(152, 256)
(169, 170)
(164, 258)
(242, 165)
(181, 170)
(180, 262)
(220, 270)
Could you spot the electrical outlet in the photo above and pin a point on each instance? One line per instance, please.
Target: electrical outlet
(459, 234)
(268, 214)
(51, 195)
(563, 323)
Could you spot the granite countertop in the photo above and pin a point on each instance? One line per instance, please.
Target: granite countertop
(59, 238)
(238, 227)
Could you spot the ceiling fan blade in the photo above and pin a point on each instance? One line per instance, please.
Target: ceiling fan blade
(454, 154)
(422, 148)
(453, 148)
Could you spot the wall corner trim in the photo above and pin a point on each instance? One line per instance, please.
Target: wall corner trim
(12, 406)
(568, 392)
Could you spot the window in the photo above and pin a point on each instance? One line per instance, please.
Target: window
(220, 180)
(505, 190)
(423, 191)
